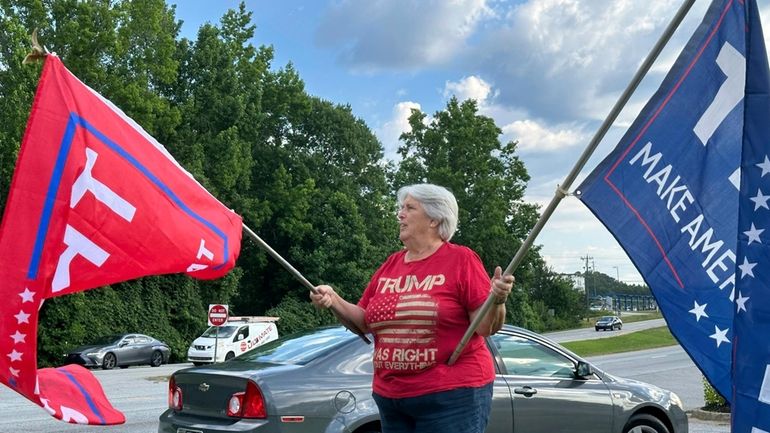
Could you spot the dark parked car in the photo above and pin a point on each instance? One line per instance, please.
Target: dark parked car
(320, 381)
(610, 323)
(121, 351)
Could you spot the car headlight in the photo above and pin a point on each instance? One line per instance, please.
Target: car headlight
(676, 400)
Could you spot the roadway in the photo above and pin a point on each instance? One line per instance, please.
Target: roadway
(590, 333)
(141, 392)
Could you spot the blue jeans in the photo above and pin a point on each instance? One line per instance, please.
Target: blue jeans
(462, 410)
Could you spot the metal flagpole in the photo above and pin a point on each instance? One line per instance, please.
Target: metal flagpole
(561, 190)
(345, 321)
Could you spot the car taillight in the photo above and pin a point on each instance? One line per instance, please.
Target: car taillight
(247, 404)
(174, 395)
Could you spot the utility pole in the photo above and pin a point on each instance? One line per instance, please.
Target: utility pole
(585, 278)
(617, 274)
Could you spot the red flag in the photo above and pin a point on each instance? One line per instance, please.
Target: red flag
(94, 200)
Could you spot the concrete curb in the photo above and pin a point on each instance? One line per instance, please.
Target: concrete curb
(706, 415)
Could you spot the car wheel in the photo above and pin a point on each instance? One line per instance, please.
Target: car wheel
(156, 359)
(198, 364)
(370, 428)
(643, 423)
(109, 362)
(597, 329)
(620, 327)
(229, 356)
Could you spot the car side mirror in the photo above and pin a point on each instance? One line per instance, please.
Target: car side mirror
(583, 370)
(123, 344)
(240, 337)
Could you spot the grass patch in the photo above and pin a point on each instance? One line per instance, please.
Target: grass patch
(641, 317)
(640, 340)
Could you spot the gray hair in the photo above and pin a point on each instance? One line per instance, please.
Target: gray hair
(439, 204)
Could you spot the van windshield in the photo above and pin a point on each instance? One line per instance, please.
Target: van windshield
(224, 331)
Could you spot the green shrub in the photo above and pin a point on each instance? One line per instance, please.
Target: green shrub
(714, 401)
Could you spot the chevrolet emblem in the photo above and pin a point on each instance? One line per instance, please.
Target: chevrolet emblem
(204, 387)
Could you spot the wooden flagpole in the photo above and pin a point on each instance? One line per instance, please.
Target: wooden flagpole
(561, 190)
(294, 272)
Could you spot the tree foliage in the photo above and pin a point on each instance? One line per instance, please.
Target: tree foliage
(460, 150)
(599, 284)
(305, 173)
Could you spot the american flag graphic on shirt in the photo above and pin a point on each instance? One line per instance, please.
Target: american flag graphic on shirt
(405, 326)
(405, 319)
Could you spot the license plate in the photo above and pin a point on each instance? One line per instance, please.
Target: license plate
(187, 430)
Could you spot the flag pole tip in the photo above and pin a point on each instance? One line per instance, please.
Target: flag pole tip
(37, 53)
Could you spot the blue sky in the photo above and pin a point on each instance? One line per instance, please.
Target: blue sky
(547, 71)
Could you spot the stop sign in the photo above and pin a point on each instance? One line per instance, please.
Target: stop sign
(218, 314)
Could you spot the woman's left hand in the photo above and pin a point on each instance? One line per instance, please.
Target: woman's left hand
(501, 285)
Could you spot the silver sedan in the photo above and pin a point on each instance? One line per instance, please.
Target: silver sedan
(320, 381)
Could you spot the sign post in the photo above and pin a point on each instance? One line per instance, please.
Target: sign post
(218, 315)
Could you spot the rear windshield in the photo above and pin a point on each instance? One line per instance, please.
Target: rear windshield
(299, 348)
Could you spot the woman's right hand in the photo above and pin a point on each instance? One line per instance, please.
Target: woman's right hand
(324, 296)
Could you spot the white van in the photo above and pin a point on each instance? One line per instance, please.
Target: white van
(239, 335)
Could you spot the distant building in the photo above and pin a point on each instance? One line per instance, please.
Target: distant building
(578, 281)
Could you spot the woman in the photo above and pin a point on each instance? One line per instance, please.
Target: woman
(418, 305)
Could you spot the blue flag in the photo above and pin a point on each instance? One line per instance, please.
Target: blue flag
(687, 194)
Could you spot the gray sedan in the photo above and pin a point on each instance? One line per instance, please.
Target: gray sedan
(120, 351)
(320, 381)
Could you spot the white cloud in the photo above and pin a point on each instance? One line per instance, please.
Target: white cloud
(572, 233)
(399, 34)
(534, 137)
(571, 59)
(389, 132)
(471, 87)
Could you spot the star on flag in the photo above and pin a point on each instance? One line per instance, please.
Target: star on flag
(760, 200)
(18, 337)
(699, 311)
(15, 355)
(753, 234)
(720, 335)
(22, 317)
(27, 296)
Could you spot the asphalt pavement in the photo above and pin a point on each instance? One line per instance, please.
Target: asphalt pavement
(669, 368)
(141, 392)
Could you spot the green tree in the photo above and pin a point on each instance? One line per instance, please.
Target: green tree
(17, 85)
(304, 173)
(126, 51)
(563, 306)
(460, 149)
(327, 200)
(603, 285)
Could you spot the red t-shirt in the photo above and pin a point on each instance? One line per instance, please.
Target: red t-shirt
(418, 313)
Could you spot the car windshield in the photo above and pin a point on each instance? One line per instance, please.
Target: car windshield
(606, 318)
(299, 348)
(108, 339)
(224, 331)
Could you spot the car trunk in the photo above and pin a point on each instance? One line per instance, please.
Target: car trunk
(207, 390)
